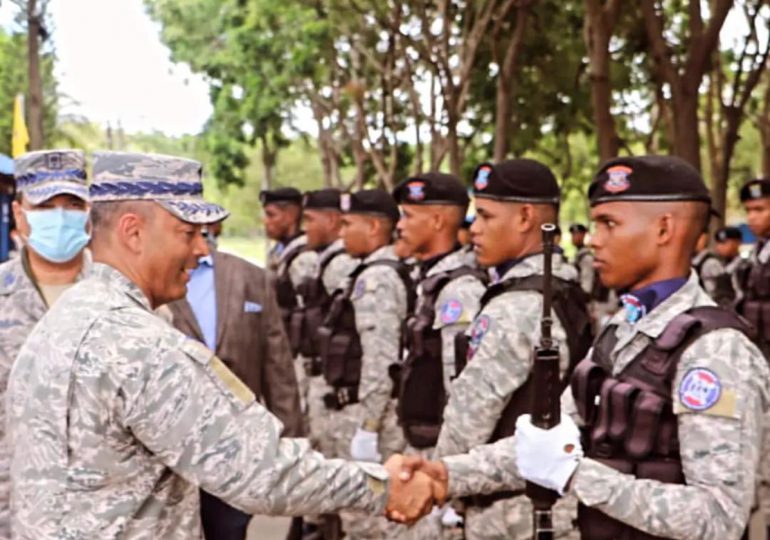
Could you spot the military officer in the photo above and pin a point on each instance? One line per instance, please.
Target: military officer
(684, 386)
(513, 199)
(711, 270)
(360, 340)
(51, 213)
(118, 418)
(727, 245)
(755, 283)
(584, 258)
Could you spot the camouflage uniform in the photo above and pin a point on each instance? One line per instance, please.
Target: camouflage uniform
(465, 291)
(720, 449)
(380, 303)
(501, 362)
(710, 269)
(298, 269)
(333, 278)
(117, 418)
(584, 262)
(22, 303)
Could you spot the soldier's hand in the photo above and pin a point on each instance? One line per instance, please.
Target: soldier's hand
(412, 492)
(434, 469)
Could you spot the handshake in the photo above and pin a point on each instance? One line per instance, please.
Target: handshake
(416, 485)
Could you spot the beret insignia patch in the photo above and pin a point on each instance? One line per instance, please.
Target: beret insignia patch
(482, 178)
(618, 179)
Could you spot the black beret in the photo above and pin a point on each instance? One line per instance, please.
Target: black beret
(280, 195)
(577, 227)
(647, 179)
(432, 188)
(375, 202)
(759, 188)
(728, 233)
(322, 199)
(516, 180)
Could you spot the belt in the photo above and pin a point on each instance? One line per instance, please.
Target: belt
(484, 501)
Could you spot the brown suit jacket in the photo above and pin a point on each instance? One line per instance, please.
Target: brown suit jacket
(252, 344)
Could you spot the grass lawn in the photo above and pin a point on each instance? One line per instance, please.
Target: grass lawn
(253, 249)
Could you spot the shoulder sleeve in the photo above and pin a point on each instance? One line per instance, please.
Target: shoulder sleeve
(202, 422)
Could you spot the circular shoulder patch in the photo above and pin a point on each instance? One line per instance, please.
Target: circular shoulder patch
(700, 389)
(451, 311)
(360, 288)
(478, 331)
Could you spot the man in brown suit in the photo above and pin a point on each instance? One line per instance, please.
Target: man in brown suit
(231, 307)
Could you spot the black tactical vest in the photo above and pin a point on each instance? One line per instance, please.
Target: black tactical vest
(630, 423)
(338, 342)
(307, 319)
(755, 305)
(421, 393)
(285, 293)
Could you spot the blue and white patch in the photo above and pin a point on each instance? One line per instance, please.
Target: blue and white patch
(359, 289)
(416, 191)
(633, 307)
(700, 389)
(451, 311)
(252, 307)
(479, 329)
(482, 177)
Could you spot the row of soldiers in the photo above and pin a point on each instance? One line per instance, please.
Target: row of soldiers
(434, 358)
(115, 418)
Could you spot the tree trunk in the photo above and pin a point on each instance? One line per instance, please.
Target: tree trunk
(598, 31)
(686, 137)
(455, 159)
(506, 87)
(764, 132)
(35, 101)
(269, 158)
(719, 181)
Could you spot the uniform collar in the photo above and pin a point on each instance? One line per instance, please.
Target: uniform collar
(427, 266)
(532, 265)
(380, 254)
(116, 279)
(677, 301)
(296, 241)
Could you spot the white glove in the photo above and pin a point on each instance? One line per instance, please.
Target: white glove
(363, 446)
(450, 518)
(548, 457)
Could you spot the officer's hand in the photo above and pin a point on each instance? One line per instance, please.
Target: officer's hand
(411, 498)
(434, 469)
(363, 446)
(548, 457)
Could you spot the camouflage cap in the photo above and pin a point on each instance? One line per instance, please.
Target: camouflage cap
(172, 182)
(44, 174)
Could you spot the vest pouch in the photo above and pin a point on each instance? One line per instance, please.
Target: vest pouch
(422, 436)
(622, 398)
(334, 361)
(601, 431)
(422, 395)
(312, 320)
(759, 281)
(645, 419)
(587, 380)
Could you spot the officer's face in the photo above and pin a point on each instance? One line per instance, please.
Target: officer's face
(728, 249)
(169, 256)
(494, 233)
(415, 228)
(624, 243)
(320, 227)
(758, 217)
(65, 201)
(578, 238)
(278, 220)
(355, 233)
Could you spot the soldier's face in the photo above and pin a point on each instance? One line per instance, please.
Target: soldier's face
(578, 238)
(758, 217)
(415, 228)
(494, 233)
(320, 227)
(169, 256)
(65, 201)
(278, 220)
(355, 233)
(624, 243)
(728, 249)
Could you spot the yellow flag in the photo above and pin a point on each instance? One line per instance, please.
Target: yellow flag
(20, 133)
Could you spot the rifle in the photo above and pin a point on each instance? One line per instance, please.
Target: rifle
(546, 392)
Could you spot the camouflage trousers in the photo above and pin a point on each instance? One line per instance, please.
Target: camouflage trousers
(318, 417)
(342, 425)
(512, 519)
(5, 492)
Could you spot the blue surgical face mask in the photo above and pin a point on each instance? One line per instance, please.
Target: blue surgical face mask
(56, 234)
